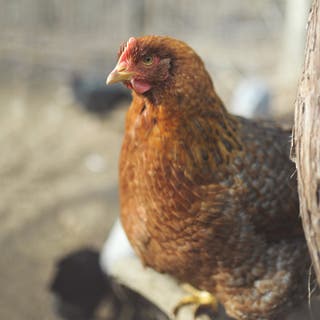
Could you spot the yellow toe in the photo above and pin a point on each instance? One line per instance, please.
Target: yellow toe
(198, 299)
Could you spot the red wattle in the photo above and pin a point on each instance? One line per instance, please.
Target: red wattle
(140, 86)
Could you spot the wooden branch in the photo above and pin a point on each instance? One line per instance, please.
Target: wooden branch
(305, 149)
(162, 290)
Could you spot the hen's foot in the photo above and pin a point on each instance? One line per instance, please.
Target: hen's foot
(203, 301)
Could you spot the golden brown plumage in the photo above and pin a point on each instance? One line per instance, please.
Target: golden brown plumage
(206, 196)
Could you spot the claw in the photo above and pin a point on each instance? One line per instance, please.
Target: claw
(202, 300)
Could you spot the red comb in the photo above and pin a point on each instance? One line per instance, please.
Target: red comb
(126, 52)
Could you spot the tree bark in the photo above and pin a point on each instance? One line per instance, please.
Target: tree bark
(305, 149)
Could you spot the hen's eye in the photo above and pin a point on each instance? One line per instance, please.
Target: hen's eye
(147, 60)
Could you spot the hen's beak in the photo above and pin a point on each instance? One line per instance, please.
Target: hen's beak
(119, 73)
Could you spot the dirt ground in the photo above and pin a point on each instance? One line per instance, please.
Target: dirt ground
(58, 179)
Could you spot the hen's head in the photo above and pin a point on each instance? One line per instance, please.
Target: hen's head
(152, 64)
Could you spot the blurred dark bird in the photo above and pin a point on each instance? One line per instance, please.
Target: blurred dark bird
(94, 96)
(79, 285)
(207, 196)
(83, 291)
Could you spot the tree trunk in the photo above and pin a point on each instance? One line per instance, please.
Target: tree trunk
(305, 149)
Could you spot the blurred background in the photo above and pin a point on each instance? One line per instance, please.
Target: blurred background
(61, 131)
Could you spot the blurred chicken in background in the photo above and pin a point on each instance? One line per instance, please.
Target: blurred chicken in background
(252, 99)
(94, 96)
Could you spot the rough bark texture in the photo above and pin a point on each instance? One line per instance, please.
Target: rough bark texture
(306, 138)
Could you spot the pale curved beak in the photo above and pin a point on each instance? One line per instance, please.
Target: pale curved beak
(119, 73)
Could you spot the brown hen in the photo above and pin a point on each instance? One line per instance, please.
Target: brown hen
(207, 196)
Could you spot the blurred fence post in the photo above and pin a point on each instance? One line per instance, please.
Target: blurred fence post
(137, 17)
(306, 138)
(293, 38)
